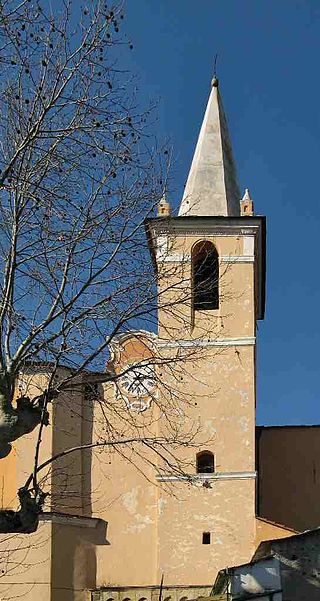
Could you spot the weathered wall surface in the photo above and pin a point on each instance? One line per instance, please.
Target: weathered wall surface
(223, 510)
(151, 593)
(26, 558)
(73, 564)
(156, 516)
(236, 314)
(289, 475)
(58, 561)
(125, 497)
(222, 382)
(155, 530)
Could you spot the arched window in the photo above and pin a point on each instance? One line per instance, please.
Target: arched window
(205, 462)
(206, 538)
(205, 276)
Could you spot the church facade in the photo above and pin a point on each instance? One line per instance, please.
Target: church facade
(140, 518)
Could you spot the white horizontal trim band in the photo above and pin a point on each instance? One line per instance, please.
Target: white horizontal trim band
(185, 257)
(245, 341)
(205, 477)
(237, 259)
(173, 257)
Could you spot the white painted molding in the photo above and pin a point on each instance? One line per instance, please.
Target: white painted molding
(245, 341)
(237, 259)
(248, 245)
(186, 257)
(162, 246)
(174, 257)
(205, 477)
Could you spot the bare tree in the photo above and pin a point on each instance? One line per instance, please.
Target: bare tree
(79, 174)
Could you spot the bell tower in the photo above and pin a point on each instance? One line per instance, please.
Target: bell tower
(189, 517)
(212, 260)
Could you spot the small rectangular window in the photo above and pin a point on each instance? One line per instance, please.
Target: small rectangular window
(206, 538)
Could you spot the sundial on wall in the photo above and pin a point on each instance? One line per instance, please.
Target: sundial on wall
(137, 385)
(132, 360)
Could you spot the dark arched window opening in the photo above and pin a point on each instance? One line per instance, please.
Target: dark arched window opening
(205, 462)
(206, 538)
(205, 268)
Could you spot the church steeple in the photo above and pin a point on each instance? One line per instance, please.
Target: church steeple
(212, 187)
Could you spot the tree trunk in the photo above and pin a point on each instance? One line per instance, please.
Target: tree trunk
(26, 519)
(22, 419)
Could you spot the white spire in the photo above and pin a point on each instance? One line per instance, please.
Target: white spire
(212, 187)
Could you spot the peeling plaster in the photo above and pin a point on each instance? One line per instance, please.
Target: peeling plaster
(244, 424)
(202, 518)
(142, 521)
(161, 505)
(130, 500)
(209, 427)
(244, 397)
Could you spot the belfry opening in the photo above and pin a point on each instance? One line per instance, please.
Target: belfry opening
(205, 276)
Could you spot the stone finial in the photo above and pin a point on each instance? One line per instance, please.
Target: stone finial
(164, 209)
(246, 204)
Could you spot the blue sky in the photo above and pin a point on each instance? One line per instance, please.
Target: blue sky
(268, 66)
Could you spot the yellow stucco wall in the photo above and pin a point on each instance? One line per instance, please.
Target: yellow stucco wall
(155, 524)
(235, 315)
(158, 529)
(25, 565)
(8, 486)
(58, 561)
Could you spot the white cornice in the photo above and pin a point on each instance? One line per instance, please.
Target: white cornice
(207, 226)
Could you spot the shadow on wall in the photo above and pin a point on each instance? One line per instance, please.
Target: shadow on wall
(73, 427)
(74, 565)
